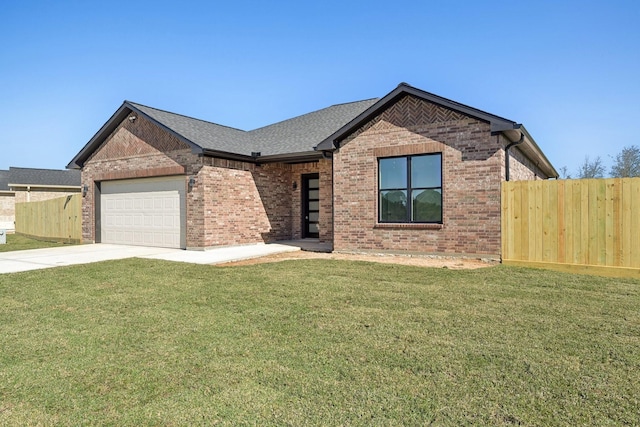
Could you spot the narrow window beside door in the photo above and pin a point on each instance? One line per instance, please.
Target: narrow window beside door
(311, 206)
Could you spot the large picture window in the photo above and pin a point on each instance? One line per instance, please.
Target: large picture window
(410, 189)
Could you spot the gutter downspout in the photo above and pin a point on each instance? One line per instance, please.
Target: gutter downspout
(507, 157)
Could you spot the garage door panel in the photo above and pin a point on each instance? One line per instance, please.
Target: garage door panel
(146, 212)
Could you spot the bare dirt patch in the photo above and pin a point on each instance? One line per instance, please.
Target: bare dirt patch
(454, 263)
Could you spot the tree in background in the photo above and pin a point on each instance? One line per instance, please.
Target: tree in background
(564, 173)
(627, 163)
(591, 169)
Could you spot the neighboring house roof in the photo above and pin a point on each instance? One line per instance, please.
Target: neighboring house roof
(4, 180)
(301, 137)
(22, 177)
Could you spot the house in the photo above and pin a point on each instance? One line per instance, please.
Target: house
(410, 172)
(20, 185)
(36, 185)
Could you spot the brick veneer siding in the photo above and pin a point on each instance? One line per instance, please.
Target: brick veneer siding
(237, 203)
(325, 172)
(231, 202)
(137, 149)
(520, 167)
(471, 181)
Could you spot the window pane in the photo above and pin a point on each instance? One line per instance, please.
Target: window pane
(314, 194)
(426, 171)
(427, 205)
(314, 216)
(393, 173)
(313, 228)
(314, 206)
(393, 205)
(314, 183)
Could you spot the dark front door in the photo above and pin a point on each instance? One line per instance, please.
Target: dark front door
(310, 205)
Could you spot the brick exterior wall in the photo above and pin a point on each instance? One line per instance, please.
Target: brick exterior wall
(325, 172)
(471, 180)
(237, 203)
(520, 167)
(137, 149)
(231, 202)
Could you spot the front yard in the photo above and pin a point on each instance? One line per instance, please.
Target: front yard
(17, 242)
(316, 342)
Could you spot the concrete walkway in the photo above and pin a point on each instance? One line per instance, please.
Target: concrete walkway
(35, 259)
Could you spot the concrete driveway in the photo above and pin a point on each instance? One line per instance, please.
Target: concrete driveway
(35, 259)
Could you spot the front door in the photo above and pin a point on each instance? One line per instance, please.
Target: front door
(310, 205)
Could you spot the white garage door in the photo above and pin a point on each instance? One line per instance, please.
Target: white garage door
(143, 212)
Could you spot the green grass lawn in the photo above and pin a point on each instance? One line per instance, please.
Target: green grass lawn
(16, 242)
(316, 342)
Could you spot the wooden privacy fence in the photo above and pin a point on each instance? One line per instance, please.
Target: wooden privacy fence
(57, 219)
(592, 224)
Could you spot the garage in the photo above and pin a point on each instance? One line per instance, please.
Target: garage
(143, 212)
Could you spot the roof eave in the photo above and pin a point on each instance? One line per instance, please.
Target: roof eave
(291, 157)
(208, 152)
(531, 149)
(78, 161)
(273, 158)
(111, 125)
(498, 124)
(333, 141)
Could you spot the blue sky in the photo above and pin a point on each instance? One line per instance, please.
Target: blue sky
(567, 70)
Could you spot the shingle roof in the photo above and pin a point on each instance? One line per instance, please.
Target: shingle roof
(202, 133)
(302, 137)
(304, 132)
(293, 138)
(297, 135)
(4, 180)
(29, 176)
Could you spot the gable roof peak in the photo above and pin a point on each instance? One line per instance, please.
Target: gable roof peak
(499, 125)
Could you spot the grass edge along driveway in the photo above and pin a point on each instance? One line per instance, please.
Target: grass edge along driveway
(17, 242)
(316, 342)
